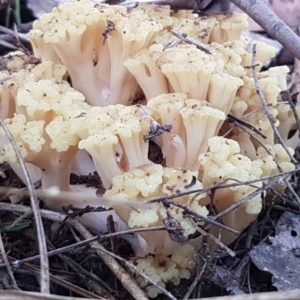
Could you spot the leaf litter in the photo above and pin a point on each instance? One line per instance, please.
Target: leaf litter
(280, 255)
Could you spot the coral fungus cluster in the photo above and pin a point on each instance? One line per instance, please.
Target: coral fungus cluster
(105, 78)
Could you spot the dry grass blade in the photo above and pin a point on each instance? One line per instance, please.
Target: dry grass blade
(44, 277)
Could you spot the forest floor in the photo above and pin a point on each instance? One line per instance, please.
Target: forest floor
(264, 258)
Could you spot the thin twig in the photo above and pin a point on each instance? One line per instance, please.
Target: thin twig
(130, 265)
(110, 224)
(237, 121)
(20, 45)
(244, 116)
(251, 231)
(129, 284)
(258, 141)
(84, 243)
(184, 37)
(155, 128)
(217, 241)
(178, 235)
(238, 270)
(172, 44)
(262, 224)
(222, 185)
(60, 281)
(7, 265)
(44, 278)
(103, 201)
(187, 212)
(266, 108)
(272, 120)
(284, 201)
(287, 182)
(250, 196)
(103, 288)
(52, 193)
(196, 280)
(249, 279)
